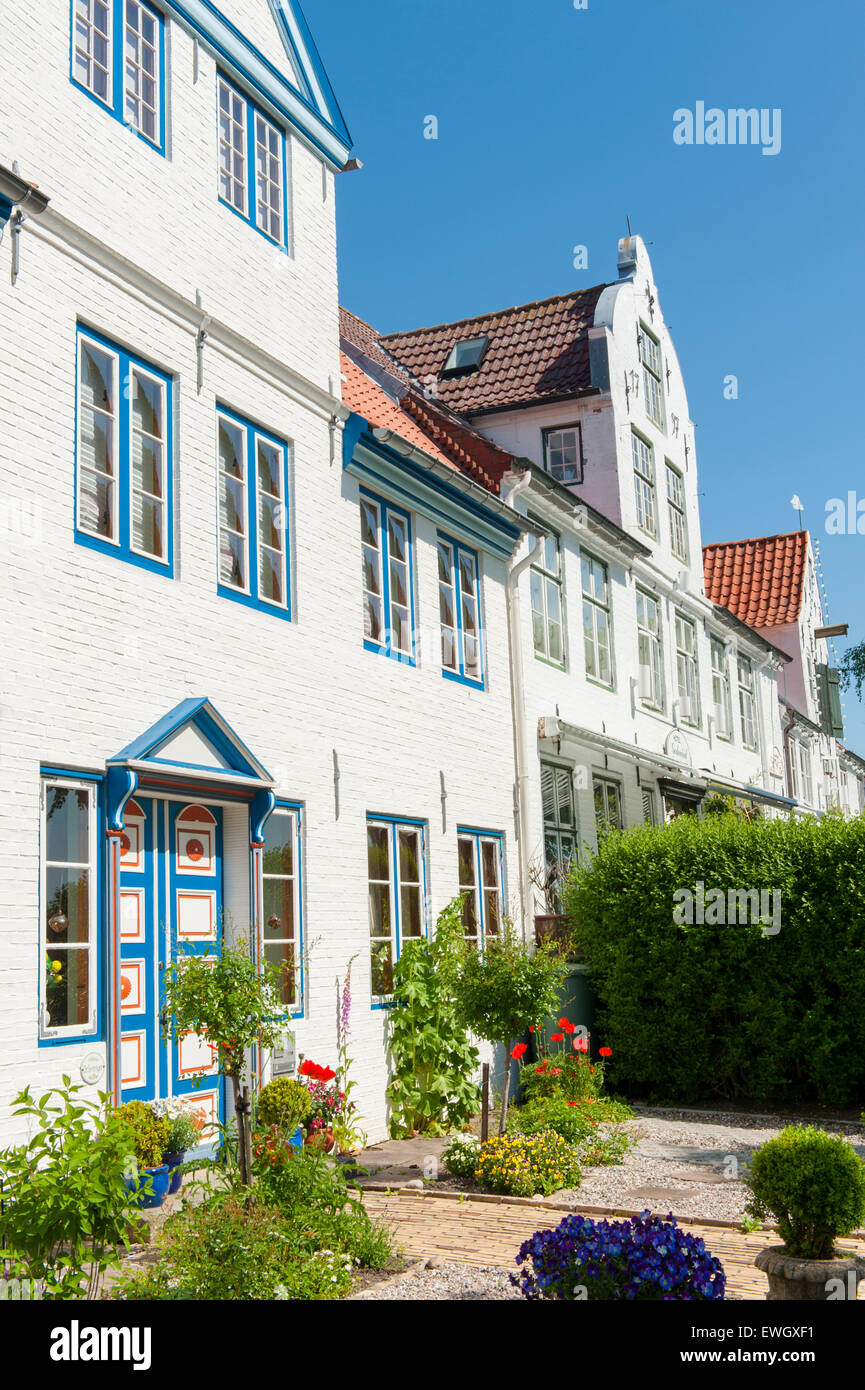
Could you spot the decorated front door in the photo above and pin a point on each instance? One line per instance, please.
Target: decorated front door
(170, 904)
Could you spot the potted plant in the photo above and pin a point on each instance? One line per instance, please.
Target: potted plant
(814, 1187)
(326, 1104)
(284, 1104)
(145, 1135)
(184, 1132)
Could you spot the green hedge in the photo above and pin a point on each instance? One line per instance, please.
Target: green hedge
(702, 1012)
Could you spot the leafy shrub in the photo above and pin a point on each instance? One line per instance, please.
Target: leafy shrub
(564, 1117)
(814, 1186)
(144, 1132)
(236, 1249)
(283, 1102)
(315, 1195)
(501, 992)
(643, 1258)
(523, 1164)
(65, 1204)
(433, 1062)
(460, 1155)
(697, 1011)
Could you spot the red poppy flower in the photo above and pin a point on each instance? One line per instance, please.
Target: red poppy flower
(518, 1051)
(571, 1102)
(556, 1071)
(531, 1027)
(606, 1051)
(558, 1037)
(567, 1026)
(541, 1067)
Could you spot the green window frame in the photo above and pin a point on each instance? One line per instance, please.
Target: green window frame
(644, 484)
(650, 651)
(560, 827)
(607, 793)
(653, 390)
(676, 513)
(722, 700)
(747, 703)
(688, 671)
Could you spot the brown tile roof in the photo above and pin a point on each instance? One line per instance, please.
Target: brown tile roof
(760, 581)
(426, 424)
(362, 336)
(536, 352)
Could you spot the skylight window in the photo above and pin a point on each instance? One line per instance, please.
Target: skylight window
(466, 356)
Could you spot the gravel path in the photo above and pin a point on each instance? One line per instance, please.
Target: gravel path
(443, 1281)
(690, 1168)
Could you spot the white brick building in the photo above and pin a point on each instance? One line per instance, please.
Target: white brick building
(201, 713)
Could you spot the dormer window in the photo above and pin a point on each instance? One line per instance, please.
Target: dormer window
(465, 356)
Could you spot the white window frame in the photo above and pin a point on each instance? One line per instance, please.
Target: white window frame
(456, 559)
(807, 773)
(394, 828)
(544, 583)
(655, 640)
(688, 670)
(48, 1032)
(264, 181)
(478, 890)
(227, 143)
(643, 459)
(250, 134)
(722, 697)
(135, 97)
(387, 513)
(653, 389)
(676, 512)
(593, 606)
(136, 370)
(548, 436)
(83, 22)
(747, 703)
(293, 815)
(98, 347)
(235, 425)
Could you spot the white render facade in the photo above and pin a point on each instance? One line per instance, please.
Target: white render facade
(652, 696)
(193, 725)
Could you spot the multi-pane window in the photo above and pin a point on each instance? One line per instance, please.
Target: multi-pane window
(608, 805)
(68, 898)
(563, 458)
(281, 920)
(596, 621)
(687, 674)
(252, 163)
(388, 621)
(560, 828)
(252, 473)
(459, 612)
(676, 513)
(480, 880)
(118, 56)
(649, 655)
(721, 697)
(650, 813)
(805, 769)
(123, 465)
(395, 864)
(546, 592)
(644, 483)
(747, 703)
(650, 353)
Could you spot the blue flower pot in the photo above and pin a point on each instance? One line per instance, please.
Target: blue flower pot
(174, 1164)
(159, 1186)
(296, 1139)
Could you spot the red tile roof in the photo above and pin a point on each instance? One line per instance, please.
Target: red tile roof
(760, 581)
(367, 398)
(536, 352)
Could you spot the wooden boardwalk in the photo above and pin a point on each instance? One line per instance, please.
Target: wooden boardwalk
(491, 1232)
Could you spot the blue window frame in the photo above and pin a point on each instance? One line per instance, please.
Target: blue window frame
(118, 58)
(396, 860)
(460, 613)
(481, 869)
(123, 456)
(282, 901)
(253, 163)
(70, 906)
(253, 499)
(388, 581)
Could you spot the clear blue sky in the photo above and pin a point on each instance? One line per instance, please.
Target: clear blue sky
(556, 123)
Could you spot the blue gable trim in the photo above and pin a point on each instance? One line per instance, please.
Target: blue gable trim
(209, 723)
(5, 211)
(316, 117)
(368, 459)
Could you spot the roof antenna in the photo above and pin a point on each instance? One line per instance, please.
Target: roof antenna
(628, 220)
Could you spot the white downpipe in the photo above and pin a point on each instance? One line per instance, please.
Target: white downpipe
(518, 708)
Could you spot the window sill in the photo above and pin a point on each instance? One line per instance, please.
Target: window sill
(249, 601)
(125, 555)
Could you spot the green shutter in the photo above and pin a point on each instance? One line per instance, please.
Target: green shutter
(829, 689)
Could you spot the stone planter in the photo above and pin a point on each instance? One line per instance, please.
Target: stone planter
(797, 1280)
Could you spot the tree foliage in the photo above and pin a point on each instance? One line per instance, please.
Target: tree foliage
(853, 669)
